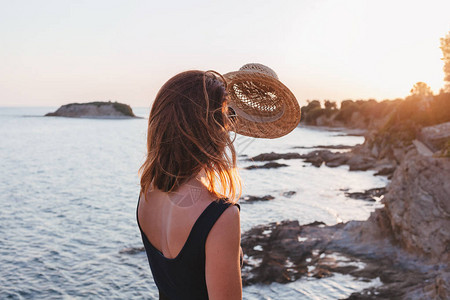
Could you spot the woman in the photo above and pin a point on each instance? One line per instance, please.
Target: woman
(187, 213)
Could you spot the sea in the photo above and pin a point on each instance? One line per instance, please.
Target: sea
(69, 189)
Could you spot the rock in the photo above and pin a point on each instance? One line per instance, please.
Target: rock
(369, 195)
(94, 110)
(359, 162)
(386, 171)
(279, 242)
(340, 146)
(337, 160)
(256, 198)
(285, 251)
(332, 159)
(270, 165)
(399, 154)
(315, 223)
(435, 137)
(132, 250)
(361, 158)
(405, 243)
(275, 156)
(374, 151)
(315, 160)
(289, 194)
(320, 273)
(418, 207)
(354, 132)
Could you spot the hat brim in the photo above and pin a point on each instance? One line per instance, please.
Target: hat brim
(264, 107)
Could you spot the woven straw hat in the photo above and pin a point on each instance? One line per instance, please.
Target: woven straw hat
(264, 107)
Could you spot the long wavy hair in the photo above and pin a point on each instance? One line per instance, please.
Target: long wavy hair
(188, 131)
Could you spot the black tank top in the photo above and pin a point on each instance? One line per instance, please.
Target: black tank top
(183, 277)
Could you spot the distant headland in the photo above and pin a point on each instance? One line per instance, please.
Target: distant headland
(106, 110)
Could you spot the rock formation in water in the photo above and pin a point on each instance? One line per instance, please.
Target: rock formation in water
(94, 110)
(286, 251)
(269, 165)
(406, 243)
(250, 198)
(275, 156)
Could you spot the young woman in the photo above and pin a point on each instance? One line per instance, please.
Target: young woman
(186, 212)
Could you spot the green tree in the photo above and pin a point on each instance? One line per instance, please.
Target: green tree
(445, 47)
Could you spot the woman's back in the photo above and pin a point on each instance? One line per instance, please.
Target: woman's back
(167, 218)
(175, 229)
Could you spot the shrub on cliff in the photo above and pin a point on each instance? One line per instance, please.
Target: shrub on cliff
(348, 107)
(311, 112)
(123, 108)
(440, 108)
(410, 115)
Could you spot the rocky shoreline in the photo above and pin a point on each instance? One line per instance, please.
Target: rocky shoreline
(286, 251)
(406, 244)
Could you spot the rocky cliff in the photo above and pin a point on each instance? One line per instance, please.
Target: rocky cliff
(406, 243)
(416, 215)
(94, 110)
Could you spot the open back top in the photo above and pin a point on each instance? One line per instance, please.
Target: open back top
(183, 277)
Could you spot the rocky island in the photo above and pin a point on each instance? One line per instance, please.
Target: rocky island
(107, 110)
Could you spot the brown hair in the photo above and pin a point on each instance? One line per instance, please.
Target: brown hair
(188, 130)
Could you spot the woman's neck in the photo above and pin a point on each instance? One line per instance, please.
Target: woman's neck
(190, 192)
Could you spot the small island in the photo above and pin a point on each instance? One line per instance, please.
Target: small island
(103, 110)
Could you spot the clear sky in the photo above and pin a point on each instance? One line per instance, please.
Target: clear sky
(60, 51)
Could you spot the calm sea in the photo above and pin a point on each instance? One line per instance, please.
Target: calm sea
(68, 193)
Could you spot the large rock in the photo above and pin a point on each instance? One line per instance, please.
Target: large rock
(435, 137)
(269, 165)
(275, 156)
(94, 110)
(417, 207)
(331, 159)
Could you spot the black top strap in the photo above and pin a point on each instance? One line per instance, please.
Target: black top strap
(206, 221)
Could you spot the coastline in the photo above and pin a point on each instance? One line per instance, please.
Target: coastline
(67, 218)
(288, 251)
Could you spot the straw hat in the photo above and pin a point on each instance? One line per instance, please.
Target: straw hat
(264, 107)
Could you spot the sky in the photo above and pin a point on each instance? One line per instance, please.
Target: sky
(57, 52)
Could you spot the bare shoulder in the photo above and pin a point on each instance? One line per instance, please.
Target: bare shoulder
(230, 216)
(222, 257)
(227, 224)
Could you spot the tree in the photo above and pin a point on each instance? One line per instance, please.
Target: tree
(421, 89)
(445, 47)
(314, 104)
(330, 105)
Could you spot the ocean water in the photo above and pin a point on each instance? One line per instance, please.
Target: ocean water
(68, 194)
